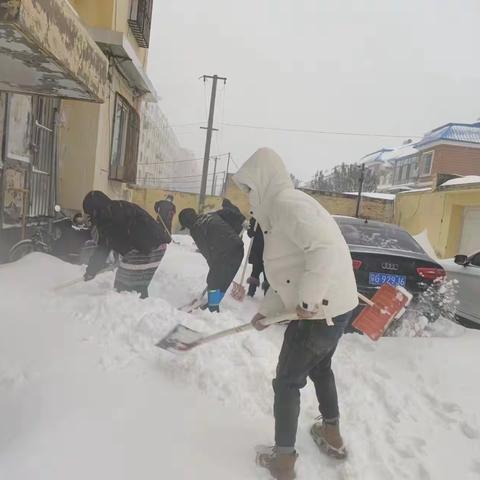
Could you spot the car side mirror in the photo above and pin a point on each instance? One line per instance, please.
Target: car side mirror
(461, 260)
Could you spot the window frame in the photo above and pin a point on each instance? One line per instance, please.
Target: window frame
(123, 162)
(422, 163)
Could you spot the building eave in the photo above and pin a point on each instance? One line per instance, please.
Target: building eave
(45, 50)
(118, 48)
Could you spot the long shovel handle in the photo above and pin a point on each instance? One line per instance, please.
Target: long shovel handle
(365, 299)
(67, 284)
(245, 263)
(245, 327)
(81, 279)
(195, 300)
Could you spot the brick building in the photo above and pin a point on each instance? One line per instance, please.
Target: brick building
(452, 149)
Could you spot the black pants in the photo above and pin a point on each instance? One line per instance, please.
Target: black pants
(307, 351)
(221, 274)
(257, 270)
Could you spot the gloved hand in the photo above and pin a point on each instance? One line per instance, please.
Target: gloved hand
(304, 314)
(88, 276)
(257, 322)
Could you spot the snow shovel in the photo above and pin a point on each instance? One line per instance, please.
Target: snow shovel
(388, 304)
(81, 279)
(194, 304)
(238, 290)
(182, 339)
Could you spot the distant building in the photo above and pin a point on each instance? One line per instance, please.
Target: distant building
(452, 149)
(162, 162)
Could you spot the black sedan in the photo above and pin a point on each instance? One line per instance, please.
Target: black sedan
(385, 253)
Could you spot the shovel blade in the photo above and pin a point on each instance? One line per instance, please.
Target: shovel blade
(180, 339)
(238, 292)
(389, 304)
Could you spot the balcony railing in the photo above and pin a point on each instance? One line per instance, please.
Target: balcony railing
(140, 21)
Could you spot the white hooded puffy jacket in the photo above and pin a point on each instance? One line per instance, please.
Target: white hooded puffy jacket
(307, 260)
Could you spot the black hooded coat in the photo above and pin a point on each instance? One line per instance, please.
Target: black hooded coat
(122, 226)
(218, 243)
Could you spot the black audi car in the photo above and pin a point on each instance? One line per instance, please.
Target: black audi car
(385, 253)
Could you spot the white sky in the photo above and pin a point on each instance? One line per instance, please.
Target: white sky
(397, 67)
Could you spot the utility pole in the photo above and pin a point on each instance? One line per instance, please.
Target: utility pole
(214, 180)
(225, 179)
(360, 188)
(210, 129)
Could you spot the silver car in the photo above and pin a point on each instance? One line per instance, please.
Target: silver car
(466, 269)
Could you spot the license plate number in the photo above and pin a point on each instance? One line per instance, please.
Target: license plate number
(382, 278)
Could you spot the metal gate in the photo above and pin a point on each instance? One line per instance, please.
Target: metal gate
(43, 175)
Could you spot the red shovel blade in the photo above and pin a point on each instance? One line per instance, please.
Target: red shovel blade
(238, 292)
(389, 303)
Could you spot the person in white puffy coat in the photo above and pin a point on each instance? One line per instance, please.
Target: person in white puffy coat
(309, 267)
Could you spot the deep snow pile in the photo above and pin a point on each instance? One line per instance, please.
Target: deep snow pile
(85, 394)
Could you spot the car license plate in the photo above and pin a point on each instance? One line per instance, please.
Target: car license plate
(382, 278)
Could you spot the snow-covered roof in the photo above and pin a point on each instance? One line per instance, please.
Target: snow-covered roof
(375, 156)
(387, 155)
(455, 132)
(377, 195)
(468, 180)
(403, 151)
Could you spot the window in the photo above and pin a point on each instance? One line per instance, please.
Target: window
(409, 168)
(377, 235)
(123, 161)
(140, 21)
(426, 164)
(19, 128)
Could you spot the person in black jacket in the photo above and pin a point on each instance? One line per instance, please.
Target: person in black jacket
(256, 259)
(129, 231)
(231, 214)
(221, 247)
(165, 209)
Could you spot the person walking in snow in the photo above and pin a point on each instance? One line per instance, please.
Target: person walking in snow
(222, 248)
(310, 271)
(166, 210)
(129, 231)
(256, 258)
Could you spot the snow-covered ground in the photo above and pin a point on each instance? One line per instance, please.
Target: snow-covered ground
(85, 394)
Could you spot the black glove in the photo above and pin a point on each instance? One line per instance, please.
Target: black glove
(88, 276)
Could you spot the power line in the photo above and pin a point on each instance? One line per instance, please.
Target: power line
(321, 132)
(183, 161)
(181, 176)
(312, 131)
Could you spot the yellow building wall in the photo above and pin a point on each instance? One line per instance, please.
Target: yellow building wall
(110, 15)
(334, 203)
(146, 198)
(438, 213)
(77, 151)
(85, 147)
(96, 13)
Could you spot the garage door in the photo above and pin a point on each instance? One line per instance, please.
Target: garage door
(470, 239)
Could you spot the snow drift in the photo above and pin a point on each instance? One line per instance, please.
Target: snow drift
(85, 394)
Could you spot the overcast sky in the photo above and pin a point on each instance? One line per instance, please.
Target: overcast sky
(399, 67)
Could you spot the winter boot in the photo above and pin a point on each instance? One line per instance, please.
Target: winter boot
(327, 436)
(280, 465)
